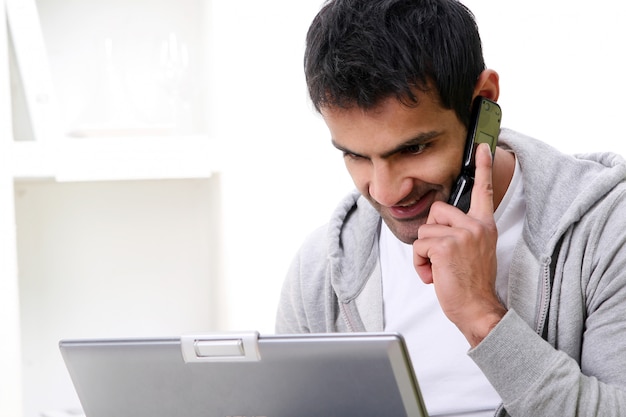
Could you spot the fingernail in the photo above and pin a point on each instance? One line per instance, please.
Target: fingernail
(487, 148)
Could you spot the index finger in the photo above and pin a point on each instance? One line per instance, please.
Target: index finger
(481, 206)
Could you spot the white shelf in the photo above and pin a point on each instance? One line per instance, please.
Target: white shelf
(104, 100)
(114, 158)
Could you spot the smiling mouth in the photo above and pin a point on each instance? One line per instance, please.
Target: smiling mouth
(415, 208)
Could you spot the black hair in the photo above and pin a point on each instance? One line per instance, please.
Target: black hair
(360, 52)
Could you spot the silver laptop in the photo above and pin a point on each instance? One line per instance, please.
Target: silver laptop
(248, 375)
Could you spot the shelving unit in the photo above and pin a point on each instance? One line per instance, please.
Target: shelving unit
(71, 125)
(109, 191)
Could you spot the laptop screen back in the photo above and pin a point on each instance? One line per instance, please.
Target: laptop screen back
(230, 375)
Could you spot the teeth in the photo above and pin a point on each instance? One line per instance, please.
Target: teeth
(409, 204)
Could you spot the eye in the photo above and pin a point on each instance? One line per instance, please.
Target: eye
(415, 149)
(352, 156)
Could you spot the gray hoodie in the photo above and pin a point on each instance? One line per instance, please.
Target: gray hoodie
(561, 348)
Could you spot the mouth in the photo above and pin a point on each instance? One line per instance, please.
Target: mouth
(414, 208)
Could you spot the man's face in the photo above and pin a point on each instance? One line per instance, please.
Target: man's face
(402, 159)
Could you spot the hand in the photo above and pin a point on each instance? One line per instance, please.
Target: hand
(457, 253)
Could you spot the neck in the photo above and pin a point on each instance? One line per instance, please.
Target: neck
(503, 168)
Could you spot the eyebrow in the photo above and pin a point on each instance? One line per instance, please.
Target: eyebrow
(420, 139)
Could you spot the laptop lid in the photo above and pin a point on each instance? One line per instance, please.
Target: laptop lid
(247, 375)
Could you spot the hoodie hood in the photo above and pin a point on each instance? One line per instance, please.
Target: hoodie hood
(567, 188)
(350, 231)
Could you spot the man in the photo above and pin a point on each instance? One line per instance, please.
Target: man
(532, 279)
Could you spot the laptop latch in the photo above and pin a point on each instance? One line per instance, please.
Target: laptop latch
(223, 347)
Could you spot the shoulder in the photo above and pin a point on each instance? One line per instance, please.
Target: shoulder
(325, 257)
(562, 190)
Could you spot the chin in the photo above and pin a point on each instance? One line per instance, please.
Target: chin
(406, 232)
(409, 240)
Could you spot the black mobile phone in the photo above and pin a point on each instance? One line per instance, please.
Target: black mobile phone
(484, 127)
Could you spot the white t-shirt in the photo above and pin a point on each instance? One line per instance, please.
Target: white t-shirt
(450, 382)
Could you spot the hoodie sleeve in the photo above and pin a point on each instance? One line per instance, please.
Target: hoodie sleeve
(534, 379)
(581, 369)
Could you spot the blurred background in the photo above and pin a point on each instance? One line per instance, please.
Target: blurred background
(160, 163)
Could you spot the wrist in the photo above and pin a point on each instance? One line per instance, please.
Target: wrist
(480, 328)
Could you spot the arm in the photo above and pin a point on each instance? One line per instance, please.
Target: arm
(585, 375)
(535, 379)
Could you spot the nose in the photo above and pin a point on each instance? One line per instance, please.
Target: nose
(388, 186)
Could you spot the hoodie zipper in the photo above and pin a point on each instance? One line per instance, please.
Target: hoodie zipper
(541, 325)
(347, 317)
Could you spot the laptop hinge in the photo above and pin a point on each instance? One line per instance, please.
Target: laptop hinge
(223, 347)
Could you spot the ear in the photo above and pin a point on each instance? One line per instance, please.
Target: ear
(488, 85)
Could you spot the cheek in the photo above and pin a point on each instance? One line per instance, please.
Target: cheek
(445, 167)
(435, 171)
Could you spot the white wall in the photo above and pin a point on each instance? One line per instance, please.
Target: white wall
(562, 68)
(281, 177)
(560, 62)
